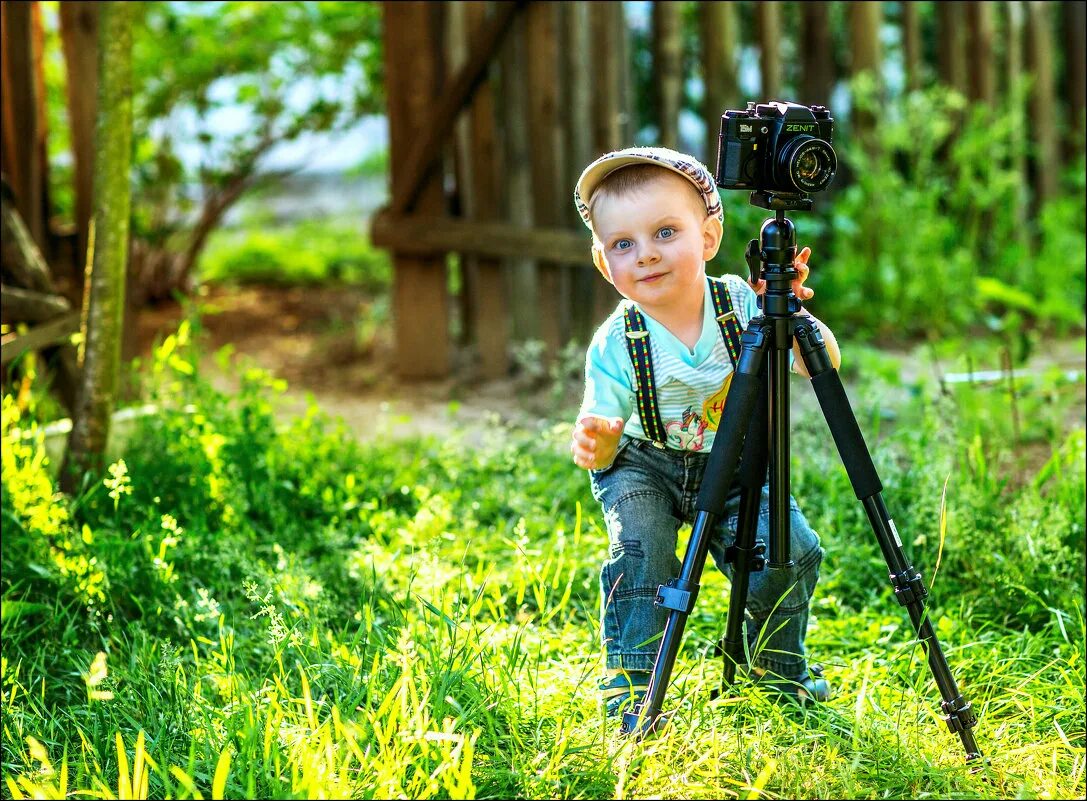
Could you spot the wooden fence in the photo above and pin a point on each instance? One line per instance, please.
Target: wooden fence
(492, 115)
(494, 108)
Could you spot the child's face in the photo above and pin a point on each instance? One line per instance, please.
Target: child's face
(654, 243)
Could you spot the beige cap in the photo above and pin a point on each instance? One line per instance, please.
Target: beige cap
(680, 163)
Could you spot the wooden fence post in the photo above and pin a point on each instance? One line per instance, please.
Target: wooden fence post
(545, 157)
(577, 120)
(484, 278)
(516, 184)
(21, 151)
(420, 294)
(607, 24)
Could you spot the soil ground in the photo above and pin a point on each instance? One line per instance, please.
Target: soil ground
(310, 337)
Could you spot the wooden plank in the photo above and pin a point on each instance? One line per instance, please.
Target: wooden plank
(577, 120)
(545, 165)
(429, 234)
(420, 291)
(516, 189)
(52, 333)
(79, 37)
(606, 25)
(486, 275)
(434, 128)
(22, 160)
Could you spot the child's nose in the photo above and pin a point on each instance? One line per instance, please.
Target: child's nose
(647, 255)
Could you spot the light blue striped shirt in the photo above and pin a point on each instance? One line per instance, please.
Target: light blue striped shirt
(691, 385)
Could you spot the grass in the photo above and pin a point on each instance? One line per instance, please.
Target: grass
(259, 610)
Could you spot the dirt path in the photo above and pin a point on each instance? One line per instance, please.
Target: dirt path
(312, 338)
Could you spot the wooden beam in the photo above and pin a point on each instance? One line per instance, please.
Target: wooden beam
(51, 333)
(20, 253)
(26, 306)
(426, 146)
(430, 234)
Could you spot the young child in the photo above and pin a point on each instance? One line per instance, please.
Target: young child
(656, 220)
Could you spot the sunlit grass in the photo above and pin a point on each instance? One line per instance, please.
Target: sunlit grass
(420, 620)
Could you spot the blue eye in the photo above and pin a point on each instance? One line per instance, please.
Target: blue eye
(623, 244)
(667, 232)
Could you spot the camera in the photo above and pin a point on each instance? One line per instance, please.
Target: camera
(776, 147)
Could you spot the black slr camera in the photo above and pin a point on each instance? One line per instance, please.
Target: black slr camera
(776, 147)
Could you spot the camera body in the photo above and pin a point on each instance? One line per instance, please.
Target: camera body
(776, 147)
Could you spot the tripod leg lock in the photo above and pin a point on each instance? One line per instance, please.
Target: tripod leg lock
(677, 594)
(909, 587)
(755, 556)
(959, 714)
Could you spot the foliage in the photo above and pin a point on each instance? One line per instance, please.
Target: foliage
(927, 239)
(280, 611)
(307, 252)
(292, 69)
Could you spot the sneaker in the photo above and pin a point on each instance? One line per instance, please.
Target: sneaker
(812, 688)
(624, 691)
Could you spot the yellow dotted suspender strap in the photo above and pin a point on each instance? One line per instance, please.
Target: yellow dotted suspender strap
(726, 317)
(642, 360)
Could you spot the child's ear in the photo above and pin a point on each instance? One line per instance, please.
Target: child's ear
(601, 263)
(712, 233)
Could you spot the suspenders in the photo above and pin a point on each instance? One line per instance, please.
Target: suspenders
(642, 360)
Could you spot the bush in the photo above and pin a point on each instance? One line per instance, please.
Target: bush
(308, 252)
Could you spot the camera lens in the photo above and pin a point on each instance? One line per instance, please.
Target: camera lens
(807, 163)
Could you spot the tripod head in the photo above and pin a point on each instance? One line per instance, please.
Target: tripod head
(771, 256)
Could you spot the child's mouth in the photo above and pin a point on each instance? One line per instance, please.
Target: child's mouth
(651, 278)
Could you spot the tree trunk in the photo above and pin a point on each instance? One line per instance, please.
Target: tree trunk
(911, 46)
(1042, 114)
(668, 69)
(104, 309)
(951, 45)
(79, 35)
(864, 24)
(717, 22)
(817, 45)
(1016, 108)
(981, 67)
(769, 25)
(1074, 21)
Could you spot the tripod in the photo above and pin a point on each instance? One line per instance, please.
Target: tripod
(767, 343)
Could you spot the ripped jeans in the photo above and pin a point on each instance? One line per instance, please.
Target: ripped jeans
(647, 494)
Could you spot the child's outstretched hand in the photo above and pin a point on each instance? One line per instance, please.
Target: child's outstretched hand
(801, 264)
(595, 441)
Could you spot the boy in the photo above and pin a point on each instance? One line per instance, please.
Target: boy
(656, 220)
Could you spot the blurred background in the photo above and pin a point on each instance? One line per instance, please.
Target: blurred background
(357, 194)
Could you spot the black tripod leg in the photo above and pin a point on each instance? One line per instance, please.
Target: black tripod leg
(745, 555)
(679, 594)
(909, 588)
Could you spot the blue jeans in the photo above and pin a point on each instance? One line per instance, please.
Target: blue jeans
(647, 494)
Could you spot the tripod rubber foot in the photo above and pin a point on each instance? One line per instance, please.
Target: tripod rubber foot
(640, 724)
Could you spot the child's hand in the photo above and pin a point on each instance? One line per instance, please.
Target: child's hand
(801, 264)
(595, 441)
